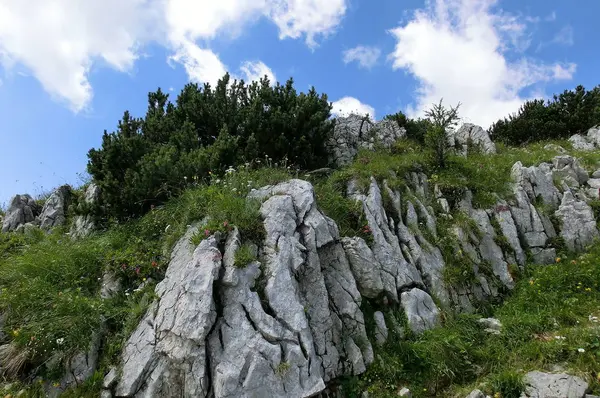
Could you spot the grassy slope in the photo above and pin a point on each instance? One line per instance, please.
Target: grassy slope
(50, 284)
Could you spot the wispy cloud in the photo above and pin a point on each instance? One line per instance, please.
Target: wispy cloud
(365, 56)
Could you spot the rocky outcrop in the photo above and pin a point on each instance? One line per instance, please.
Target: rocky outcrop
(55, 209)
(578, 225)
(551, 385)
(588, 142)
(470, 137)
(355, 132)
(22, 210)
(83, 225)
(290, 322)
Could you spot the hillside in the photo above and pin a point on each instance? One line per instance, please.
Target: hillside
(352, 259)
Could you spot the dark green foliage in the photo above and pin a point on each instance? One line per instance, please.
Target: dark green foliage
(415, 128)
(509, 384)
(572, 112)
(147, 161)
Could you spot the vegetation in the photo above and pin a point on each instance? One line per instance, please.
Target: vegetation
(436, 137)
(572, 112)
(194, 162)
(551, 318)
(207, 130)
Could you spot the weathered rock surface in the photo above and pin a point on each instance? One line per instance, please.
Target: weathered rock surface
(578, 224)
(290, 322)
(55, 209)
(588, 142)
(22, 209)
(551, 385)
(83, 225)
(472, 137)
(356, 131)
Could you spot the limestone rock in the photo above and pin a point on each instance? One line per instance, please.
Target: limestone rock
(22, 209)
(581, 143)
(578, 224)
(567, 168)
(537, 181)
(55, 209)
(405, 392)
(83, 225)
(476, 394)
(381, 330)
(476, 136)
(166, 355)
(356, 131)
(551, 385)
(421, 311)
(555, 148)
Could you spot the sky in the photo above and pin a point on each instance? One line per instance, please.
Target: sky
(70, 68)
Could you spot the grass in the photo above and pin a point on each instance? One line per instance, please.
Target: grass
(548, 303)
(50, 283)
(245, 255)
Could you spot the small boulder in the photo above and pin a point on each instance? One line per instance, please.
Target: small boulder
(405, 392)
(476, 394)
(421, 311)
(22, 209)
(581, 143)
(553, 385)
(491, 324)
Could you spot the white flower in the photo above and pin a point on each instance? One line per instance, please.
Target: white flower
(581, 350)
(218, 181)
(234, 189)
(127, 294)
(559, 337)
(60, 341)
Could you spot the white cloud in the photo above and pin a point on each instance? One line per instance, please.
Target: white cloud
(466, 51)
(311, 18)
(254, 71)
(551, 17)
(348, 105)
(60, 41)
(365, 56)
(564, 36)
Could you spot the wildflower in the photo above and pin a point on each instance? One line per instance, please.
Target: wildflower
(127, 293)
(587, 289)
(531, 281)
(234, 189)
(218, 181)
(56, 384)
(206, 232)
(154, 264)
(580, 350)
(123, 266)
(573, 262)
(558, 259)
(60, 341)
(225, 224)
(559, 337)
(143, 279)
(137, 270)
(16, 332)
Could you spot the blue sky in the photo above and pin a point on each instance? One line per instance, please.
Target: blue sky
(68, 69)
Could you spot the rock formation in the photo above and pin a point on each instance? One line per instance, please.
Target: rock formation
(22, 210)
(355, 132)
(55, 209)
(83, 225)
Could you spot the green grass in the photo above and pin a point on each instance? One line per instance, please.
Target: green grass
(244, 256)
(50, 283)
(549, 301)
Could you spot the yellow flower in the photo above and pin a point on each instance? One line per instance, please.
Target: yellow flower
(16, 332)
(558, 259)
(573, 262)
(531, 281)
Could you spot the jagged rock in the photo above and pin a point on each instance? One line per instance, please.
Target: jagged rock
(504, 218)
(22, 209)
(166, 355)
(362, 261)
(567, 168)
(105, 394)
(55, 209)
(551, 385)
(421, 311)
(581, 143)
(476, 394)
(578, 224)
(381, 330)
(355, 131)
(475, 136)
(396, 272)
(593, 136)
(83, 225)
(537, 181)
